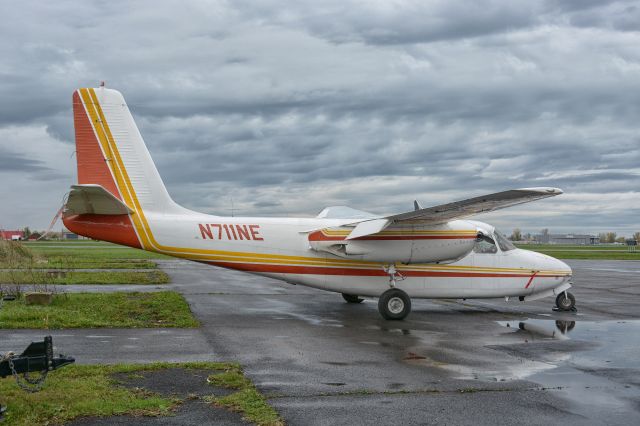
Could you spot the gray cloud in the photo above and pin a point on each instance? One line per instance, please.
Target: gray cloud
(287, 107)
(11, 162)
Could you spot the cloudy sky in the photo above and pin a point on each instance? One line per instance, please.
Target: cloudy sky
(283, 108)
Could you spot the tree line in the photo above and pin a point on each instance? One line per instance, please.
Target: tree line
(605, 237)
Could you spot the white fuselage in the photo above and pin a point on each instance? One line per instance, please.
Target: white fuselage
(280, 248)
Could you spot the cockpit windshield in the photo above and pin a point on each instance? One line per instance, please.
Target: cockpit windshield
(485, 245)
(503, 243)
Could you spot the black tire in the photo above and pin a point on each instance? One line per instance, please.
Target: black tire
(394, 304)
(565, 303)
(351, 298)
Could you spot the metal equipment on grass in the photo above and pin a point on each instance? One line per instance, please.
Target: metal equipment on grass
(38, 357)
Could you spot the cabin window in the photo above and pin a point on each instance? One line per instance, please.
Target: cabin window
(503, 243)
(485, 245)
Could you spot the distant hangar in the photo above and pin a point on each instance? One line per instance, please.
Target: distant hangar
(579, 239)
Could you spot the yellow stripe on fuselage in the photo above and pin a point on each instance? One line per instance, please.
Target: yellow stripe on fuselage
(341, 232)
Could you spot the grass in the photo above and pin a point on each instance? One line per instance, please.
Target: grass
(74, 255)
(35, 276)
(599, 252)
(90, 250)
(246, 399)
(99, 310)
(68, 262)
(81, 390)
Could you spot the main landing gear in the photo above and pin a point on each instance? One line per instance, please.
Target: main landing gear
(352, 298)
(394, 304)
(566, 302)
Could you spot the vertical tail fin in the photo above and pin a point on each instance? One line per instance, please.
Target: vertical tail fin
(113, 161)
(111, 151)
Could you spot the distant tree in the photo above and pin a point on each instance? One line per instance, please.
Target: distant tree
(527, 236)
(636, 237)
(516, 235)
(611, 237)
(545, 231)
(621, 240)
(27, 232)
(603, 237)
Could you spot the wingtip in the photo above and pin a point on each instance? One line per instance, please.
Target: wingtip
(544, 190)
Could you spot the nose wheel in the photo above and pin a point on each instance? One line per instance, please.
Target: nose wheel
(394, 304)
(565, 301)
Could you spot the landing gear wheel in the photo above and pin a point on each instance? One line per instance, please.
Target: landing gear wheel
(351, 298)
(394, 304)
(565, 301)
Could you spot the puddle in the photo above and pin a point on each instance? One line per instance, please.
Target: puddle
(591, 364)
(612, 344)
(586, 359)
(603, 377)
(540, 329)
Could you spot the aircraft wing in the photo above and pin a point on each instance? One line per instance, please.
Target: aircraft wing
(456, 210)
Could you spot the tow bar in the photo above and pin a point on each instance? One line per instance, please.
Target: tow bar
(38, 357)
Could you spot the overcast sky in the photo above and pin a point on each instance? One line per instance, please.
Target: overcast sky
(283, 108)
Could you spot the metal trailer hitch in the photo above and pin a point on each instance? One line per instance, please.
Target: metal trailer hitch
(38, 357)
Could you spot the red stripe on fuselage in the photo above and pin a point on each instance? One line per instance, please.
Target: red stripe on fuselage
(321, 270)
(319, 236)
(531, 279)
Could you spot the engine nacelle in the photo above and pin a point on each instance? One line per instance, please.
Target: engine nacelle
(404, 244)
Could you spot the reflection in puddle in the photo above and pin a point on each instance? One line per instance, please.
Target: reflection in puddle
(543, 328)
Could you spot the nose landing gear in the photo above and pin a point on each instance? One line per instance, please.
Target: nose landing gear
(566, 302)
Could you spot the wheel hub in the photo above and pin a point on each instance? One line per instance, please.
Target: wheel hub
(396, 305)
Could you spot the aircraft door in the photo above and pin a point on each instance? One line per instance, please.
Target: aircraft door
(485, 253)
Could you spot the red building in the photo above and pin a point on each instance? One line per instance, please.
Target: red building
(11, 235)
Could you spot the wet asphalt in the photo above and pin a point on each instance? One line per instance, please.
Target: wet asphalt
(322, 361)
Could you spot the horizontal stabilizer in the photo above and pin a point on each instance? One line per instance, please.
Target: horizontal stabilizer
(94, 199)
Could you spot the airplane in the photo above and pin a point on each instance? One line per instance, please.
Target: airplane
(433, 252)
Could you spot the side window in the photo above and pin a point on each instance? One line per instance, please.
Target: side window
(485, 245)
(505, 245)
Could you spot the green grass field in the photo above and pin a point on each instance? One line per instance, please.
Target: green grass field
(36, 276)
(97, 310)
(565, 251)
(23, 263)
(87, 254)
(92, 390)
(89, 250)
